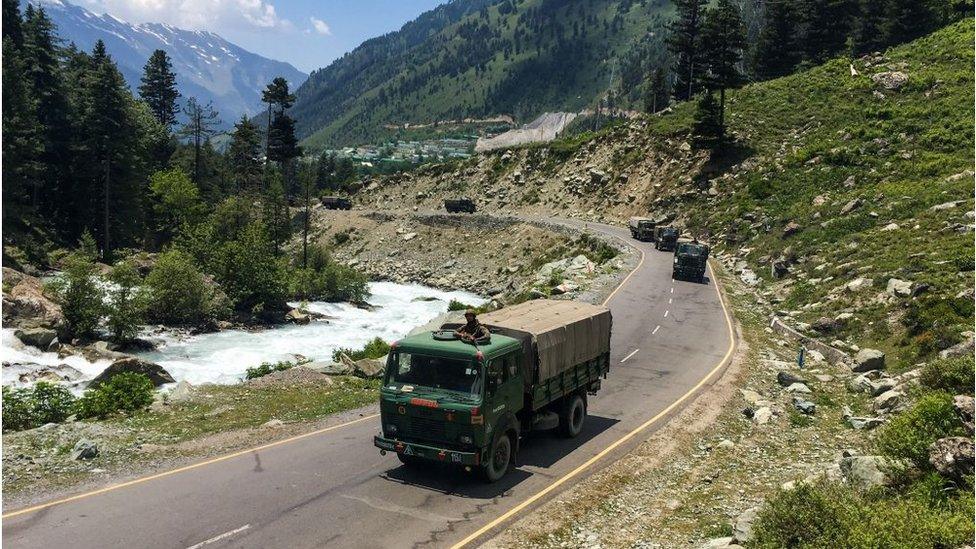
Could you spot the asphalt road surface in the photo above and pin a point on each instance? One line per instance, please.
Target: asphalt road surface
(334, 489)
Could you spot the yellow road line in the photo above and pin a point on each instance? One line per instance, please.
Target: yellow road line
(182, 469)
(539, 495)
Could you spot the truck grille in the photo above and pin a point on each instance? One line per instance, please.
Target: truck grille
(426, 429)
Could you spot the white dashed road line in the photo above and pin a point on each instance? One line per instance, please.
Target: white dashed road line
(630, 355)
(225, 535)
(666, 313)
(658, 327)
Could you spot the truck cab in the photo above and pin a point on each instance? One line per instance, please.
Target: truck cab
(666, 239)
(642, 228)
(690, 261)
(447, 400)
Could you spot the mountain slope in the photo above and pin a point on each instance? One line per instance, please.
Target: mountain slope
(479, 58)
(207, 66)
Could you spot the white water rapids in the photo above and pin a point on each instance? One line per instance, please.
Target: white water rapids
(223, 357)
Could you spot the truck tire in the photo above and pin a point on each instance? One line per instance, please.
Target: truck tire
(413, 462)
(499, 459)
(571, 416)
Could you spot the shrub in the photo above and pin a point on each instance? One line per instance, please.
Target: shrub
(908, 435)
(377, 348)
(952, 375)
(77, 290)
(248, 270)
(266, 368)
(125, 392)
(178, 293)
(16, 409)
(127, 308)
(31, 407)
(326, 280)
(832, 514)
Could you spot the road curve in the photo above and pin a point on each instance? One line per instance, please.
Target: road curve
(331, 488)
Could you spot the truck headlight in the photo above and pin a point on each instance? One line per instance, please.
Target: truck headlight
(391, 429)
(466, 439)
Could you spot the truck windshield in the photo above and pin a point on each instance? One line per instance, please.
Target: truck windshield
(462, 376)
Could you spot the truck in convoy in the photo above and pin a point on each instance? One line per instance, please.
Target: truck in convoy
(642, 228)
(456, 205)
(469, 403)
(690, 261)
(666, 238)
(336, 203)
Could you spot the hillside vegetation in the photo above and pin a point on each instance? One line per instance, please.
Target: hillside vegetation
(833, 177)
(470, 59)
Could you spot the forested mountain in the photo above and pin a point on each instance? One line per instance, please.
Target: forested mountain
(207, 66)
(483, 57)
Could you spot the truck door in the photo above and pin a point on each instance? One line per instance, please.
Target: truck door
(505, 384)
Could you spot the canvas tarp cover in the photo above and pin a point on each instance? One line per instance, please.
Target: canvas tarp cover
(565, 333)
(636, 221)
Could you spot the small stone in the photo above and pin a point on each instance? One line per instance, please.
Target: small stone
(787, 378)
(272, 423)
(725, 444)
(800, 388)
(869, 359)
(899, 288)
(84, 449)
(804, 406)
(762, 415)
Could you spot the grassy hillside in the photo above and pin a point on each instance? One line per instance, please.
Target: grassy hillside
(807, 146)
(471, 59)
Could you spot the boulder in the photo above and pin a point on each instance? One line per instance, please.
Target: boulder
(26, 306)
(859, 283)
(153, 371)
(84, 449)
(330, 368)
(804, 406)
(890, 80)
(883, 385)
(720, 543)
(825, 325)
(762, 415)
(182, 391)
(296, 316)
(887, 401)
(868, 359)
(790, 229)
(800, 388)
(899, 288)
(860, 384)
(863, 423)
(100, 350)
(742, 529)
(953, 456)
(863, 471)
(963, 348)
(851, 206)
(965, 410)
(788, 378)
(37, 337)
(369, 368)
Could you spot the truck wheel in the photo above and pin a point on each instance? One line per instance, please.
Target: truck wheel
(412, 462)
(571, 417)
(499, 459)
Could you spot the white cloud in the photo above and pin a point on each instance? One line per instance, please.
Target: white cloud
(214, 15)
(320, 26)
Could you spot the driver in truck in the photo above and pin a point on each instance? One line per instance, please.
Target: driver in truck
(472, 329)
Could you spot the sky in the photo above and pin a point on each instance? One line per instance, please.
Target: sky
(309, 34)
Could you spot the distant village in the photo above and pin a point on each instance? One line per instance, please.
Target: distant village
(414, 152)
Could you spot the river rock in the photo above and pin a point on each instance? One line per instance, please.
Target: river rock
(296, 316)
(953, 456)
(329, 367)
(868, 359)
(100, 350)
(42, 338)
(182, 391)
(26, 306)
(84, 449)
(369, 368)
(153, 371)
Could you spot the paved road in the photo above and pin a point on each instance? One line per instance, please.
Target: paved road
(333, 489)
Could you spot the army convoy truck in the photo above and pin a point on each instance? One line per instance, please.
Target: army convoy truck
(456, 205)
(642, 228)
(336, 203)
(468, 403)
(690, 261)
(665, 239)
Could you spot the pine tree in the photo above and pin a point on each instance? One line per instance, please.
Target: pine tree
(13, 24)
(21, 145)
(908, 19)
(684, 42)
(283, 147)
(158, 88)
(244, 156)
(306, 180)
(276, 217)
(825, 26)
(325, 171)
(200, 126)
(656, 93)
(866, 34)
(707, 126)
(724, 38)
(775, 53)
(278, 98)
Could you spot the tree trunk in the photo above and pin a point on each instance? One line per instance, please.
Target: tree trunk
(106, 187)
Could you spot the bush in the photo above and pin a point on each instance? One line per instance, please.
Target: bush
(377, 348)
(952, 375)
(178, 293)
(266, 368)
(832, 514)
(31, 407)
(908, 435)
(127, 308)
(82, 299)
(248, 270)
(326, 280)
(125, 392)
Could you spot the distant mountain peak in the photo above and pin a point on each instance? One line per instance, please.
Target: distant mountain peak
(207, 66)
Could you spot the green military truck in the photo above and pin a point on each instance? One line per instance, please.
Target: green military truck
(665, 239)
(690, 261)
(642, 228)
(468, 403)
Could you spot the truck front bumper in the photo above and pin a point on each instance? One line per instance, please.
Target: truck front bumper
(427, 452)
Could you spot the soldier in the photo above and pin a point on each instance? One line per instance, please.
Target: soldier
(472, 330)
